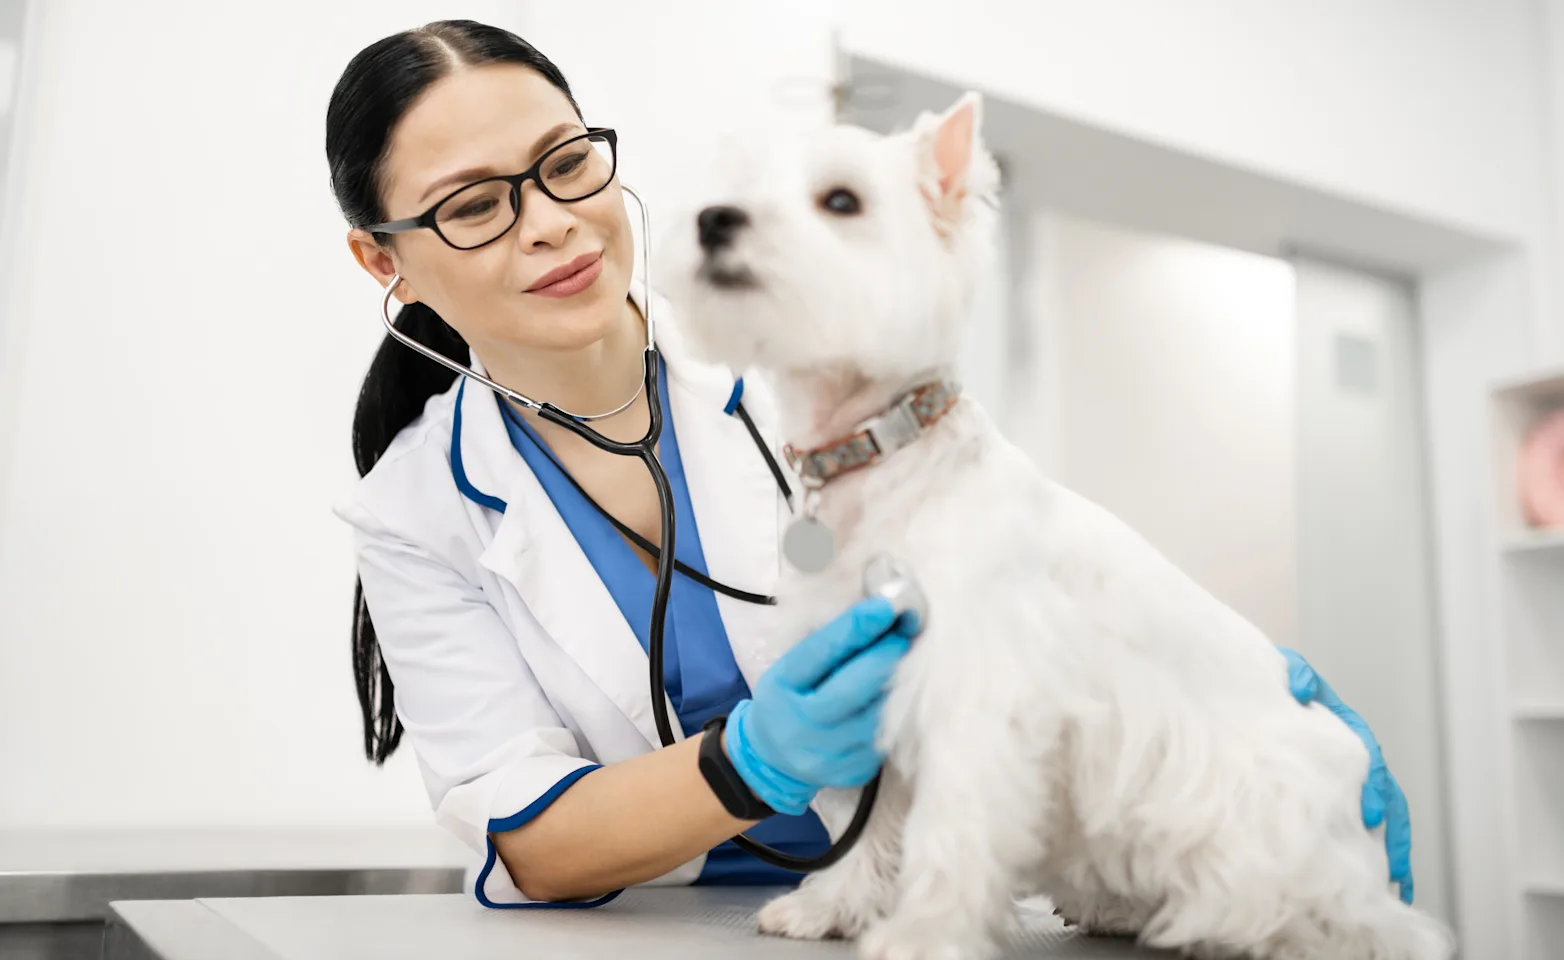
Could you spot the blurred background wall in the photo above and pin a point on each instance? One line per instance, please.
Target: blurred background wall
(1261, 266)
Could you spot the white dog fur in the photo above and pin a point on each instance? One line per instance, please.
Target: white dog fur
(1080, 719)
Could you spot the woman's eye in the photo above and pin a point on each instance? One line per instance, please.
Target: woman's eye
(842, 202)
(474, 209)
(567, 165)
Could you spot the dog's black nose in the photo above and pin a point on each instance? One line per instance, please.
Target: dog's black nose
(717, 225)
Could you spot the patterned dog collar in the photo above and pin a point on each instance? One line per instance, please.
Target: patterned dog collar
(877, 437)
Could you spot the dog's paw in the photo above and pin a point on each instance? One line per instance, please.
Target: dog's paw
(901, 940)
(1095, 928)
(1112, 919)
(1096, 932)
(805, 915)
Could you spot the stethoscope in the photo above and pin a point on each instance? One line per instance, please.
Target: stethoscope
(644, 450)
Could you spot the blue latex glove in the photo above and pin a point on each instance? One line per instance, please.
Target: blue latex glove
(811, 720)
(1383, 801)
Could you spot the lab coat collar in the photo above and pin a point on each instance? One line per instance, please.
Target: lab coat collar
(484, 463)
(735, 501)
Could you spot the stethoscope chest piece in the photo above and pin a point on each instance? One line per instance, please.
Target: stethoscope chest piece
(885, 576)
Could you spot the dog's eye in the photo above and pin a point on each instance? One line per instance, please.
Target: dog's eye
(842, 202)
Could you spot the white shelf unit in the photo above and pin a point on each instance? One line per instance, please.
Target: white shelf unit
(1531, 580)
(1536, 542)
(1539, 711)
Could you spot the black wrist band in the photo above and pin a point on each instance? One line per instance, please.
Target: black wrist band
(736, 796)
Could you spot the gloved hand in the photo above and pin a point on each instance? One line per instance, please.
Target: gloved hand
(811, 719)
(1383, 801)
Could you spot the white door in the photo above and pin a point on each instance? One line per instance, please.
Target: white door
(1364, 566)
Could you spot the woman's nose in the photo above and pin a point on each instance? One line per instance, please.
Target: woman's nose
(544, 221)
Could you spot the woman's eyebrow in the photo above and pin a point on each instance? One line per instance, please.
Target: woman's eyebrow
(460, 176)
(478, 173)
(549, 136)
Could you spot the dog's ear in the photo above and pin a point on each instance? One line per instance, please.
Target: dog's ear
(949, 152)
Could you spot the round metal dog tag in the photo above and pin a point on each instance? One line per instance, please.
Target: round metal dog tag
(808, 545)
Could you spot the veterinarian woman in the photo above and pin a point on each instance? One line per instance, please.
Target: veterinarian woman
(510, 613)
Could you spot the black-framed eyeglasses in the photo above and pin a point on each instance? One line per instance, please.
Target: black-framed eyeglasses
(484, 211)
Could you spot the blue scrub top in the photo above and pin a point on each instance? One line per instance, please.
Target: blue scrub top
(702, 679)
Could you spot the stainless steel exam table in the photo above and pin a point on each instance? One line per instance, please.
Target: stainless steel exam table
(56, 885)
(646, 923)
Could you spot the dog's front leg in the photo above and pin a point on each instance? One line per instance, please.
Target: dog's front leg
(972, 828)
(845, 899)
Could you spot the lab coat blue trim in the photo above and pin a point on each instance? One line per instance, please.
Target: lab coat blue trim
(528, 813)
(525, 816)
(457, 472)
(734, 397)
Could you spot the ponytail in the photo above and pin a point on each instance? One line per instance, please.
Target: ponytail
(400, 381)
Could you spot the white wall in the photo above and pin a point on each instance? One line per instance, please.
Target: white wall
(1391, 101)
(1548, 334)
(13, 24)
(182, 346)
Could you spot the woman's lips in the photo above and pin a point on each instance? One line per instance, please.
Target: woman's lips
(571, 279)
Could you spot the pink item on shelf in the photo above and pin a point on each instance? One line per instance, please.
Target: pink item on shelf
(1540, 472)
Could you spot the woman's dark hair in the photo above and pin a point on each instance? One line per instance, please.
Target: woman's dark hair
(375, 91)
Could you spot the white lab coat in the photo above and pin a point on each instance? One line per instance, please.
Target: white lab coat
(514, 668)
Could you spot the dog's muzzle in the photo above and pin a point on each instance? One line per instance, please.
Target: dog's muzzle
(727, 277)
(717, 226)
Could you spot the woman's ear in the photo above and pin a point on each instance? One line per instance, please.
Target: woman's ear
(378, 263)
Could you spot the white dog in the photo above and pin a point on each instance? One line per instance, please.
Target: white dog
(1079, 719)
